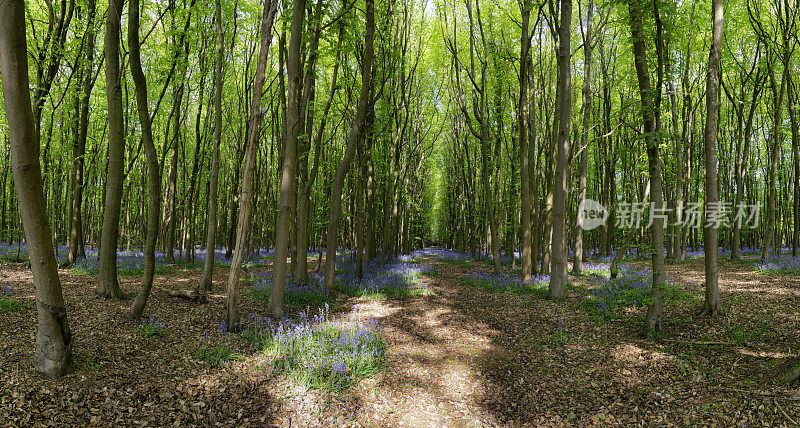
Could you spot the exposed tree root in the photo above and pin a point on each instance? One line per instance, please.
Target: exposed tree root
(789, 371)
(191, 296)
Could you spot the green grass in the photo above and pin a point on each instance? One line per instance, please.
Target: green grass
(433, 272)
(150, 327)
(628, 292)
(9, 305)
(327, 357)
(216, 354)
(505, 283)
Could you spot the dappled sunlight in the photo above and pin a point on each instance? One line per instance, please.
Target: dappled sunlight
(633, 354)
(778, 291)
(765, 354)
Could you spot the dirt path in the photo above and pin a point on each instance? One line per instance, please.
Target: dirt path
(457, 356)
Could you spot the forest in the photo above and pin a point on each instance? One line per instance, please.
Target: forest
(433, 213)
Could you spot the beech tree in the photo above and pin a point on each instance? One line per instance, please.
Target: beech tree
(232, 319)
(107, 281)
(53, 353)
(559, 261)
(711, 306)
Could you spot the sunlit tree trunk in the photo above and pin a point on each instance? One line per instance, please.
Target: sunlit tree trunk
(204, 286)
(711, 306)
(107, 282)
(288, 175)
(559, 262)
(232, 320)
(153, 168)
(352, 139)
(53, 351)
(653, 317)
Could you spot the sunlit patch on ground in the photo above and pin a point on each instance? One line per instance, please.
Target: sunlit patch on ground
(455, 356)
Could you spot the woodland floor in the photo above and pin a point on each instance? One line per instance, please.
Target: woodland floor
(457, 356)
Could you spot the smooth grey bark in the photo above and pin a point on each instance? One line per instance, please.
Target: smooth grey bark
(213, 187)
(559, 262)
(352, 139)
(577, 264)
(153, 167)
(287, 183)
(791, 106)
(653, 317)
(76, 235)
(53, 352)
(232, 320)
(307, 179)
(107, 281)
(741, 170)
(769, 233)
(711, 305)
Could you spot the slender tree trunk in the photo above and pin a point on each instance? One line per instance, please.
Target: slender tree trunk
(53, 352)
(232, 320)
(76, 236)
(293, 129)
(796, 163)
(204, 286)
(153, 168)
(653, 317)
(559, 268)
(352, 139)
(107, 282)
(769, 232)
(577, 264)
(711, 307)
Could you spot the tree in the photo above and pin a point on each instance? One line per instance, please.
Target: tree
(653, 317)
(53, 353)
(711, 306)
(588, 42)
(107, 281)
(232, 320)
(352, 139)
(522, 116)
(153, 167)
(293, 127)
(559, 262)
(76, 234)
(211, 224)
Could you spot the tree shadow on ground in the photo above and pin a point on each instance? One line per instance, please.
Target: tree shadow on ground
(507, 359)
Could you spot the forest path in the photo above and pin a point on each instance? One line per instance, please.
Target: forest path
(457, 356)
(461, 356)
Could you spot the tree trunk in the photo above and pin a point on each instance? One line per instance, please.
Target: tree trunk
(559, 262)
(352, 139)
(653, 317)
(232, 321)
(53, 352)
(153, 168)
(796, 162)
(577, 264)
(769, 232)
(293, 129)
(76, 236)
(204, 286)
(711, 307)
(107, 282)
